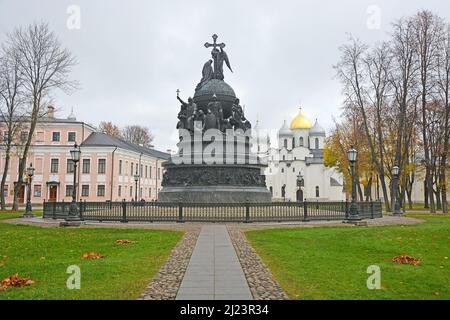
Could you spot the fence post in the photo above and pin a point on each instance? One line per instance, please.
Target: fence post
(80, 205)
(371, 210)
(346, 209)
(180, 213)
(247, 212)
(54, 210)
(305, 211)
(124, 212)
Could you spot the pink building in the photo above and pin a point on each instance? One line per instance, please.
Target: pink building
(105, 172)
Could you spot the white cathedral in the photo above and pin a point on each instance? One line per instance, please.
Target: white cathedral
(296, 170)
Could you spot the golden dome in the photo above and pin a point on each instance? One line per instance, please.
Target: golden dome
(301, 122)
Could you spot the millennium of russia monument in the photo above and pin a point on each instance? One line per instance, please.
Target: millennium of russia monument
(214, 162)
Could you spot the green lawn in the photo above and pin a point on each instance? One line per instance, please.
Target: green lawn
(44, 255)
(17, 214)
(331, 263)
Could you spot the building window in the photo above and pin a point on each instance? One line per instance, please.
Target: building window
(69, 190)
(140, 193)
(37, 190)
(5, 136)
(5, 191)
(86, 166)
(54, 166)
(149, 192)
(101, 166)
(285, 143)
(71, 136)
(317, 143)
(301, 142)
(56, 136)
(132, 168)
(101, 190)
(282, 170)
(150, 172)
(23, 136)
(271, 190)
(317, 192)
(293, 142)
(293, 169)
(70, 166)
(131, 191)
(146, 171)
(120, 166)
(120, 191)
(85, 190)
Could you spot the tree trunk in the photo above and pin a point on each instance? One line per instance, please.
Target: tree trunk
(23, 159)
(5, 173)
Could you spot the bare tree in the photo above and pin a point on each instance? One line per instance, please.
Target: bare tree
(45, 66)
(353, 74)
(443, 80)
(109, 128)
(427, 33)
(403, 80)
(138, 135)
(11, 109)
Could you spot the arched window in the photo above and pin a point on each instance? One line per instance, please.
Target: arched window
(317, 192)
(285, 143)
(271, 190)
(301, 142)
(293, 142)
(317, 143)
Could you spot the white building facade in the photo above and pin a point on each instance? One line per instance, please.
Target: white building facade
(296, 170)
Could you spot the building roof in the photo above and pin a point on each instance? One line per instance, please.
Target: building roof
(105, 140)
(317, 130)
(285, 131)
(334, 182)
(301, 121)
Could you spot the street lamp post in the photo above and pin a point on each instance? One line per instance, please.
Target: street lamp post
(395, 175)
(74, 215)
(29, 209)
(352, 155)
(300, 184)
(136, 179)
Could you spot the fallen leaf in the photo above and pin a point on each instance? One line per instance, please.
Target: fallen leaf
(124, 241)
(92, 256)
(405, 259)
(15, 281)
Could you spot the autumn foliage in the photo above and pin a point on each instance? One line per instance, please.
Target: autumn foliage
(405, 259)
(15, 281)
(92, 256)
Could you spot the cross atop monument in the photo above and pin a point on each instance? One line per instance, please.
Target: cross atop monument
(214, 44)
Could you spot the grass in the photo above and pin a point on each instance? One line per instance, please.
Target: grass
(44, 254)
(331, 263)
(17, 214)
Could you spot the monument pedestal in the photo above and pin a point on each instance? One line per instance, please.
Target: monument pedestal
(214, 184)
(214, 163)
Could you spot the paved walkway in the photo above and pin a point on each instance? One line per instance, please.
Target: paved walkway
(214, 271)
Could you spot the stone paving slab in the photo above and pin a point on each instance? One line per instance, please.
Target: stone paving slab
(214, 271)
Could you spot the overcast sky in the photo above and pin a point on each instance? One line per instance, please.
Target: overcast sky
(133, 55)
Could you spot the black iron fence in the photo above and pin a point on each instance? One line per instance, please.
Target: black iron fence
(217, 212)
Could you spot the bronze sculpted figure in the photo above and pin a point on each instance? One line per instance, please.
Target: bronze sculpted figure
(187, 113)
(219, 57)
(207, 74)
